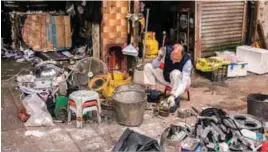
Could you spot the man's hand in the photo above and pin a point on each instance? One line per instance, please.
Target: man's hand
(171, 101)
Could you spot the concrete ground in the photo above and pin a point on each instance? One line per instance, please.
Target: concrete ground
(230, 96)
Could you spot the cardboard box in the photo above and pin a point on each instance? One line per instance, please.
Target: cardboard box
(67, 25)
(44, 32)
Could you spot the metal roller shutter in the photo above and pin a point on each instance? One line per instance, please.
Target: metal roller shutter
(221, 26)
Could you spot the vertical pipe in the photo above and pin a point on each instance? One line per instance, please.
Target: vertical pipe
(146, 28)
(188, 32)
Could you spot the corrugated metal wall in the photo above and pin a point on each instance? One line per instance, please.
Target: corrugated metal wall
(221, 26)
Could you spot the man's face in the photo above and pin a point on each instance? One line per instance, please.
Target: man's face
(176, 53)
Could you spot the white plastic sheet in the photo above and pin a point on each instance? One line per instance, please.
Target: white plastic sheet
(36, 108)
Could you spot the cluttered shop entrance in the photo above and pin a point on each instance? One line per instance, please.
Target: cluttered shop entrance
(172, 20)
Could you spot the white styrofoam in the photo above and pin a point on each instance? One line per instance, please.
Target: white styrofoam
(237, 70)
(256, 58)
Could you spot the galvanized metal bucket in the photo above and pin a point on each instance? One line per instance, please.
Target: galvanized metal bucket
(129, 106)
(131, 86)
(258, 106)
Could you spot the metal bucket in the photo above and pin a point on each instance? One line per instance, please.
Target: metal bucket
(131, 86)
(257, 105)
(129, 107)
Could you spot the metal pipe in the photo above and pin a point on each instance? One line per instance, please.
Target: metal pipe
(164, 38)
(146, 28)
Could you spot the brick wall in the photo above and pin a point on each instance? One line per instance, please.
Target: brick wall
(114, 25)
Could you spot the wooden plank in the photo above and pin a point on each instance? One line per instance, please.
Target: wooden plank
(222, 12)
(67, 31)
(261, 35)
(43, 32)
(221, 30)
(60, 31)
(221, 22)
(234, 25)
(49, 33)
(222, 19)
(35, 40)
(222, 15)
(96, 40)
(197, 48)
(222, 8)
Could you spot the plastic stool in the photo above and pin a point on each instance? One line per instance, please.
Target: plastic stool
(81, 102)
(167, 88)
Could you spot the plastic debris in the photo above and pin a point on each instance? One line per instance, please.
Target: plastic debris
(36, 108)
(34, 133)
(130, 50)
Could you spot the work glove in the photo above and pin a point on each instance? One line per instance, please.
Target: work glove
(171, 101)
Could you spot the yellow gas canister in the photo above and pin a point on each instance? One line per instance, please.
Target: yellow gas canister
(151, 45)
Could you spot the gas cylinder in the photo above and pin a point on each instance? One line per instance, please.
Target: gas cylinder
(151, 45)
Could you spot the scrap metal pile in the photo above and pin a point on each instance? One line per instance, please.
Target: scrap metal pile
(214, 130)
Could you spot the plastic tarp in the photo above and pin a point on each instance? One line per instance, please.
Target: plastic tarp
(135, 142)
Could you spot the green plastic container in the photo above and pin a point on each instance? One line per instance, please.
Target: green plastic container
(60, 110)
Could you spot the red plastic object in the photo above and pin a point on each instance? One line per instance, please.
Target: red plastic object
(161, 66)
(264, 147)
(23, 116)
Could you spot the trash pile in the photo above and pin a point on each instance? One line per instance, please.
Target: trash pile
(46, 90)
(39, 89)
(214, 130)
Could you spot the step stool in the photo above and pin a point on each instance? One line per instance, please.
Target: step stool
(83, 101)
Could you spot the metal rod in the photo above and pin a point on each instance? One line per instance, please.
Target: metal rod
(164, 38)
(146, 28)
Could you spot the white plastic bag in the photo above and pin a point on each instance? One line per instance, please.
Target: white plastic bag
(36, 108)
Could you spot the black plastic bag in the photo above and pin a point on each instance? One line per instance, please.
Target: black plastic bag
(135, 142)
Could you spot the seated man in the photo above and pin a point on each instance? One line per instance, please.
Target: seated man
(176, 72)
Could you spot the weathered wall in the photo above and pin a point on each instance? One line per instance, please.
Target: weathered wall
(263, 17)
(114, 25)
